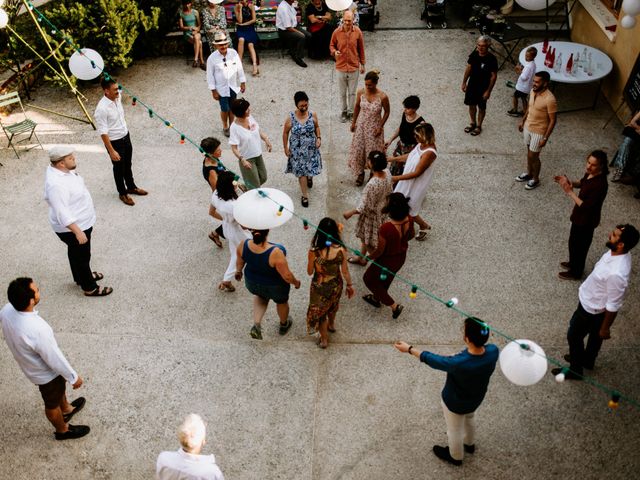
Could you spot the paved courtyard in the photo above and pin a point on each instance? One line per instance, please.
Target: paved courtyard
(167, 342)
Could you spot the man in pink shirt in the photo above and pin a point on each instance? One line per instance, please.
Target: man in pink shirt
(347, 47)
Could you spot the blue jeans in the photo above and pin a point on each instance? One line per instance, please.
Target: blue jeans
(584, 324)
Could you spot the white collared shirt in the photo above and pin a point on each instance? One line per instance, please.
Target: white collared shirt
(69, 200)
(605, 287)
(181, 465)
(225, 73)
(34, 347)
(286, 16)
(109, 116)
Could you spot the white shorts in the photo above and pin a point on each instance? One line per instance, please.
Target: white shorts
(532, 140)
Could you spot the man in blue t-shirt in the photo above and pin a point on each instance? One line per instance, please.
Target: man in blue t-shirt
(468, 374)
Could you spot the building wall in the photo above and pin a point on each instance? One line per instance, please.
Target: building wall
(623, 52)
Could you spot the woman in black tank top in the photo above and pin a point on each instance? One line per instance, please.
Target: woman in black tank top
(406, 142)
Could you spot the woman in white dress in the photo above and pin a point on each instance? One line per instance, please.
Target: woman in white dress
(418, 172)
(221, 208)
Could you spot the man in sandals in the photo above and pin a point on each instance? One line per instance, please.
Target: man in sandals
(537, 124)
(478, 81)
(36, 351)
(72, 216)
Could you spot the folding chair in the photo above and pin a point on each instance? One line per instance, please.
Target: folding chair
(26, 126)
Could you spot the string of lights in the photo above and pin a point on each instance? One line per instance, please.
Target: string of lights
(614, 395)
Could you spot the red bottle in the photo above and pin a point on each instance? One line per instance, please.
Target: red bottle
(552, 60)
(545, 46)
(547, 57)
(570, 65)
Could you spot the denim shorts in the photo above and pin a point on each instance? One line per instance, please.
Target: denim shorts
(225, 102)
(279, 293)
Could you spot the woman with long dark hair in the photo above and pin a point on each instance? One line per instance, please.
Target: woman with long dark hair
(393, 242)
(327, 262)
(221, 208)
(267, 277)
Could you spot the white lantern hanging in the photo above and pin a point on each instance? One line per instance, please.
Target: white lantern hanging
(628, 21)
(631, 7)
(86, 65)
(535, 4)
(338, 5)
(263, 208)
(523, 362)
(4, 18)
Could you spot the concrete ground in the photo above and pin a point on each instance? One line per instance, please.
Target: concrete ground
(167, 342)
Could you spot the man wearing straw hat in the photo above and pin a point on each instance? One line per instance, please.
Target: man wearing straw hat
(225, 77)
(72, 216)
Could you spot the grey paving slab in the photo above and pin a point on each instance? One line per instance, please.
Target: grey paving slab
(168, 343)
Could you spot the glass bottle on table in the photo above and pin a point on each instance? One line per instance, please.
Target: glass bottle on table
(558, 63)
(569, 68)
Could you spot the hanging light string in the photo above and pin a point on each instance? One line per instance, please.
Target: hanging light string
(615, 395)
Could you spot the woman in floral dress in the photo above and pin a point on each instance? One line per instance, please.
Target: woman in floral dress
(327, 262)
(301, 140)
(367, 124)
(374, 199)
(214, 19)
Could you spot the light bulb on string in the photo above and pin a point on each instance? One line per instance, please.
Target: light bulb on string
(305, 224)
(150, 113)
(414, 290)
(383, 274)
(280, 209)
(262, 194)
(133, 101)
(119, 85)
(452, 302)
(562, 375)
(615, 401)
(181, 139)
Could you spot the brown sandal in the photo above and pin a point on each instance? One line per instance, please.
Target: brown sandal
(470, 128)
(99, 292)
(357, 261)
(226, 287)
(215, 238)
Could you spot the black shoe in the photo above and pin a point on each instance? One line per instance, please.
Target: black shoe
(299, 62)
(567, 358)
(75, 431)
(469, 448)
(567, 376)
(443, 454)
(78, 403)
(284, 327)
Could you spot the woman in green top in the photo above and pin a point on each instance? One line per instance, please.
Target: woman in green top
(190, 26)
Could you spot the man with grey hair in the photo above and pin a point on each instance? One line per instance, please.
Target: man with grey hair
(347, 47)
(187, 463)
(478, 81)
(72, 216)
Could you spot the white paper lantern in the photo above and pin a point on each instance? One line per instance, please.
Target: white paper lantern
(631, 7)
(338, 5)
(253, 210)
(534, 4)
(4, 18)
(81, 67)
(523, 366)
(628, 21)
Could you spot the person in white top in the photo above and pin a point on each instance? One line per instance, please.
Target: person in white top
(36, 351)
(290, 33)
(418, 172)
(225, 77)
(600, 298)
(222, 201)
(114, 133)
(188, 463)
(525, 82)
(72, 216)
(246, 146)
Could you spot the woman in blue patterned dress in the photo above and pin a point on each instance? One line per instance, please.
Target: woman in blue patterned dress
(301, 139)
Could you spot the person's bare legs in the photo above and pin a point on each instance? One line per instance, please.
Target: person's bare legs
(227, 118)
(259, 309)
(481, 114)
(54, 415)
(421, 223)
(324, 333)
(472, 114)
(197, 48)
(254, 58)
(303, 184)
(240, 48)
(533, 164)
(283, 312)
(331, 324)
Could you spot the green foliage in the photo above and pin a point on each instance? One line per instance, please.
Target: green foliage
(110, 27)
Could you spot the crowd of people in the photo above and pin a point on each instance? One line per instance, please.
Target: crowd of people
(392, 203)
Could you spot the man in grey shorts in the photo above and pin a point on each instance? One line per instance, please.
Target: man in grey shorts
(537, 124)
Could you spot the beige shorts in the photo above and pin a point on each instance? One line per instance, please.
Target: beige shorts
(532, 140)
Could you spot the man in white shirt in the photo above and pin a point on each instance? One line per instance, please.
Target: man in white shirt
(291, 35)
(187, 463)
(36, 351)
(225, 77)
(112, 127)
(72, 216)
(601, 296)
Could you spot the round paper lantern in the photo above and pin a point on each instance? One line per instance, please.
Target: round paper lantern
(534, 4)
(631, 7)
(338, 5)
(261, 209)
(523, 362)
(81, 67)
(628, 21)
(4, 18)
